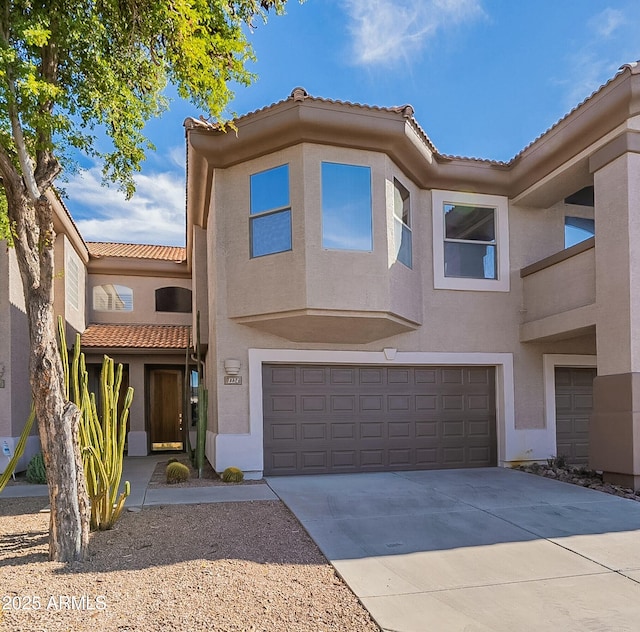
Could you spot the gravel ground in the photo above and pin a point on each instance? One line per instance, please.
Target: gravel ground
(226, 567)
(578, 475)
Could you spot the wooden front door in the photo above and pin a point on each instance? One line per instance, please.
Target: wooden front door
(165, 391)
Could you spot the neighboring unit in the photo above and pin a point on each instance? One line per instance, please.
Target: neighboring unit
(131, 302)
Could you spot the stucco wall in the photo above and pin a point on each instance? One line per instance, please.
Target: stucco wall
(5, 348)
(460, 322)
(144, 306)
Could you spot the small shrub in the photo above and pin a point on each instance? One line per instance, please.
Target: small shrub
(36, 471)
(233, 475)
(558, 462)
(177, 473)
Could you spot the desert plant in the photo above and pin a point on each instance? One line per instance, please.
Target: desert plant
(19, 451)
(233, 475)
(36, 471)
(177, 473)
(173, 460)
(559, 461)
(102, 437)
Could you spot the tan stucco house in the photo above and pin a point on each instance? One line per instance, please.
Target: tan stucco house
(368, 303)
(132, 302)
(371, 303)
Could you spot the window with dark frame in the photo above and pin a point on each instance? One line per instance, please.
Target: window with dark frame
(173, 299)
(470, 246)
(270, 212)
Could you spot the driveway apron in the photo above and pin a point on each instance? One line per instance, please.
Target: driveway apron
(477, 550)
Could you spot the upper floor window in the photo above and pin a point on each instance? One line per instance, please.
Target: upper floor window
(270, 221)
(346, 207)
(402, 223)
(577, 229)
(470, 241)
(173, 299)
(72, 284)
(112, 298)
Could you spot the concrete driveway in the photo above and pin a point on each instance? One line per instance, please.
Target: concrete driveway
(483, 550)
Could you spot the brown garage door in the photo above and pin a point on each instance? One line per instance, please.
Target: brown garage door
(328, 419)
(574, 403)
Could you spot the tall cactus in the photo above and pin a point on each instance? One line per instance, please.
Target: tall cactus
(102, 436)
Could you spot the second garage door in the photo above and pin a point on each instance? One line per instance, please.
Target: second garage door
(330, 419)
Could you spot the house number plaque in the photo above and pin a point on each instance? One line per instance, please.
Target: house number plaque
(233, 380)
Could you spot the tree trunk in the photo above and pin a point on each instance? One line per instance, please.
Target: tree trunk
(58, 419)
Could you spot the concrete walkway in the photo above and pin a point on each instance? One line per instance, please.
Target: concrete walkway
(139, 470)
(489, 550)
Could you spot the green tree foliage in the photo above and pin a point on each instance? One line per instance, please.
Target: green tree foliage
(69, 68)
(5, 232)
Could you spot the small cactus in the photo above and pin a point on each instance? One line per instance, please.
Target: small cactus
(233, 475)
(173, 460)
(36, 471)
(177, 473)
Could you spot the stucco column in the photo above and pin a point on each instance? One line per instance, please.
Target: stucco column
(615, 424)
(138, 441)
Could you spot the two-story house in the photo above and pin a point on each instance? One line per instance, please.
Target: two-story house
(372, 304)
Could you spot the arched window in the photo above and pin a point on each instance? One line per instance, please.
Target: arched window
(112, 298)
(173, 299)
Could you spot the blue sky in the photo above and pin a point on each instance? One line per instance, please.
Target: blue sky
(485, 78)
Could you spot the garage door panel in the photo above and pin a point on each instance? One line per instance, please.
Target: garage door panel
(425, 376)
(345, 430)
(284, 432)
(398, 376)
(313, 431)
(399, 430)
(426, 429)
(347, 419)
(343, 403)
(313, 460)
(371, 403)
(342, 376)
(426, 402)
(312, 376)
(283, 375)
(452, 402)
(313, 403)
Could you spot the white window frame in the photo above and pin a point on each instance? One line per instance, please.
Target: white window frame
(501, 216)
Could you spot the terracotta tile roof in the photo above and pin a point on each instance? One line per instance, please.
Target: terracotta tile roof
(136, 336)
(300, 94)
(136, 251)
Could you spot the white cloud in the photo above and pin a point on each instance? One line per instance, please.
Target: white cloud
(388, 31)
(154, 215)
(610, 40)
(607, 22)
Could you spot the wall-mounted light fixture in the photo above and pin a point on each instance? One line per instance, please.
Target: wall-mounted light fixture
(232, 367)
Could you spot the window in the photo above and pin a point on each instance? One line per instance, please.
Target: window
(470, 241)
(72, 277)
(402, 224)
(173, 299)
(112, 298)
(578, 229)
(346, 207)
(270, 221)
